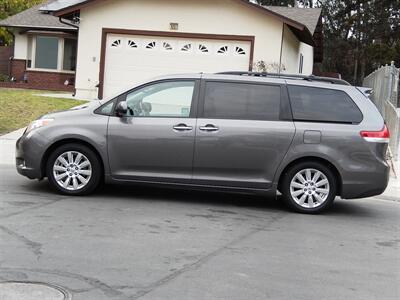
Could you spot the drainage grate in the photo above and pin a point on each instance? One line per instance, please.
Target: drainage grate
(32, 291)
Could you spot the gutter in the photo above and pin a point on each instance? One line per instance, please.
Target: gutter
(66, 23)
(40, 27)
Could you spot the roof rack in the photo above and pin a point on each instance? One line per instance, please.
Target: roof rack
(288, 76)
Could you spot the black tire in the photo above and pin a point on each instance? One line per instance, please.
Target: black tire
(96, 169)
(291, 173)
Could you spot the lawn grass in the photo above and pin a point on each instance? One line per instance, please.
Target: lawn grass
(19, 107)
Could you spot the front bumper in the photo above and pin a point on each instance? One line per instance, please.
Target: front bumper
(29, 152)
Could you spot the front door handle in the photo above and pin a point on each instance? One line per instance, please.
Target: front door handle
(182, 127)
(209, 128)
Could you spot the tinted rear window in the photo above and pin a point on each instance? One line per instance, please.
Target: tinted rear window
(224, 100)
(323, 105)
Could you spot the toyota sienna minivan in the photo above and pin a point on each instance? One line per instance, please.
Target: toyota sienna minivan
(310, 138)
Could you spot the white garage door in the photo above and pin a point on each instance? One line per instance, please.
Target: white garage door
(133, 59)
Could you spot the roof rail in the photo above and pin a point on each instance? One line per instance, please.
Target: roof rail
(288, 76)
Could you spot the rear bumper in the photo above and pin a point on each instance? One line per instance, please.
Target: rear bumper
(367, 184)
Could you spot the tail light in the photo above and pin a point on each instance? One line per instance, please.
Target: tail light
(376, 136)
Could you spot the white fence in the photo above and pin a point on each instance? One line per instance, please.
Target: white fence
(385, 85)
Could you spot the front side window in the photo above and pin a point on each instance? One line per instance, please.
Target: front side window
(242, 101)
(323, 105)
(46, 52)
(165, 99)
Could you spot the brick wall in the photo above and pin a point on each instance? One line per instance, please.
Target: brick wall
(18, 67)
(20, 85)
(52, 81)
(5, 54)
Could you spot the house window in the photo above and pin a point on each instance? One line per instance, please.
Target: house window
(46, 53)
(50, 53)
(69, 63)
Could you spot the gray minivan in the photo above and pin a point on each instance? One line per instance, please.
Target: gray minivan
(311, 138)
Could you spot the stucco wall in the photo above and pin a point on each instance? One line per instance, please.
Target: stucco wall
(308, 53)
(290, 52)
(21, 46)
(225, 17)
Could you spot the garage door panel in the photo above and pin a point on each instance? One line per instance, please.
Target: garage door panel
(131, 59)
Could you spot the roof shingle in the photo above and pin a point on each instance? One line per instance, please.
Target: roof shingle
(306, 16)
(33, 18)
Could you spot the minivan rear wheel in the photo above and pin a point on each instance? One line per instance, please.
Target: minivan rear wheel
(309, 187)
(74, 169)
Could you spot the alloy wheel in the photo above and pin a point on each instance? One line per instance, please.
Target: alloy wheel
(72, 170)
(310, 188)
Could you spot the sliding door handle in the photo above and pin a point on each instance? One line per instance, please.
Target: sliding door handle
(182, 127)
(209, 128)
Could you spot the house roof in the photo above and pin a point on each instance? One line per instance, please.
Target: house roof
(305, 16)
(302, 21)
(59, 4)
(34, 18)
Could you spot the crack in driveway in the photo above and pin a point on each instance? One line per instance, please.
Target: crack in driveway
(35, 247)
(197, 264)
(30, 208)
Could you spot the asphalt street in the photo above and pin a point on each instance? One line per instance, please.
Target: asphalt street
(147, 243)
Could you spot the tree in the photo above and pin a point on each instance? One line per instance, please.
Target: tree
(9, 8)
(359, 35)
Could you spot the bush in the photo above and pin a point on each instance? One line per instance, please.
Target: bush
(4, 78)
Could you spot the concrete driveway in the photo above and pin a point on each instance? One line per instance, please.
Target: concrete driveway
(146, 243)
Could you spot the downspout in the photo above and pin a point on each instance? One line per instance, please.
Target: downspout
(13, 52)
(280, 57)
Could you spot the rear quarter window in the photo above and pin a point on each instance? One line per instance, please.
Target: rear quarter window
(323, 105)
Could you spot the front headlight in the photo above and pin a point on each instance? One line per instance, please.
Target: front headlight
(37, 124)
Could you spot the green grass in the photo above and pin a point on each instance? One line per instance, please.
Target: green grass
(19, 107)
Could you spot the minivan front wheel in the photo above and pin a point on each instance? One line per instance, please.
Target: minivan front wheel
(74, 169)
(309, 187)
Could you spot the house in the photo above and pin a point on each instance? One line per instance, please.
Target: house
(44, 51)
(122, 42)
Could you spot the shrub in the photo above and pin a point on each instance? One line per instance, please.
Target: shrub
(4, 78)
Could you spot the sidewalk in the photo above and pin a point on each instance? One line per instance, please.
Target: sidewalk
(393, 190)
(7, 157)
(7, 146)
(69, 96)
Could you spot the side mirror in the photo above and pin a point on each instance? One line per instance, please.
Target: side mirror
(121, 109)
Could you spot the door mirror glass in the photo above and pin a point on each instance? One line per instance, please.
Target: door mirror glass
(121, 109)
